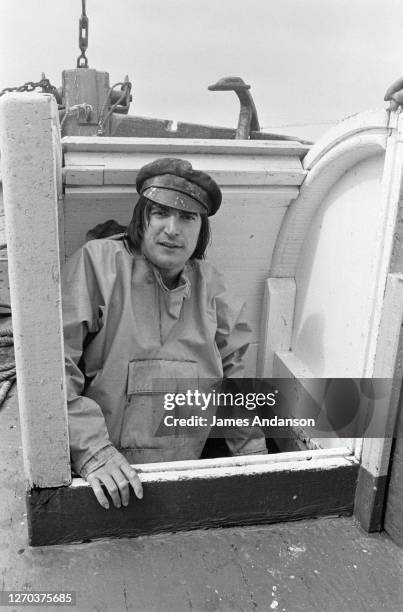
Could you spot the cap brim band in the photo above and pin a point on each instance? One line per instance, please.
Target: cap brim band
(174, 199)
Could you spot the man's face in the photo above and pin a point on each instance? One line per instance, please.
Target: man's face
(170, 238)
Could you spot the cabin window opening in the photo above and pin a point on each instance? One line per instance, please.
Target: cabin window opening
(94, 190)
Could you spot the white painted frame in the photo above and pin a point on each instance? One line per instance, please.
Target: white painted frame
(350, 142)
(300, 461)
(32, 189)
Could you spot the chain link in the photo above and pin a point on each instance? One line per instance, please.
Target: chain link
(45, 84)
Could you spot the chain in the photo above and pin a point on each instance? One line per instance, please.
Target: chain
(44, 83)
(82, 61)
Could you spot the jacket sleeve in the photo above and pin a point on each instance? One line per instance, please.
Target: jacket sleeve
(233, 338)
(83, 304)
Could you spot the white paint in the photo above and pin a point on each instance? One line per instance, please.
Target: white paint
(340, 242)
(367, 122)
(320, 179)
(199, 473)
(277, 322)
(340, 269)
(30, 164)
(243, 170)
(376, 451)
(182, 145)
(243, 460)
(337, 275)
(288, 365)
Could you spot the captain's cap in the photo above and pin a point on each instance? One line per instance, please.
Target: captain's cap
(173, 182)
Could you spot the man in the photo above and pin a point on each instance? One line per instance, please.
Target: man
(141, 307)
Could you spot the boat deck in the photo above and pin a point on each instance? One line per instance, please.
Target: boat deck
(316, 565)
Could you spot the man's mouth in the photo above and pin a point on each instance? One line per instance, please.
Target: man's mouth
(170, 245)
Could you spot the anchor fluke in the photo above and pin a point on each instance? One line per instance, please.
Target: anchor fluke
(248, 121)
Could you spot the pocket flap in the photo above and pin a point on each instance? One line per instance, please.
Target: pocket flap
(161, 376)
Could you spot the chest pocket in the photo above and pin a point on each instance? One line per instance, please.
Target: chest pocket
(147, 383)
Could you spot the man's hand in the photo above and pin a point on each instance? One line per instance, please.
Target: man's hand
(116, 475)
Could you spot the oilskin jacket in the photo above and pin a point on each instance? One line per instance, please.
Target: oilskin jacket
(125, 332)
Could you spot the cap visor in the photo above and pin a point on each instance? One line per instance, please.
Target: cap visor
(174, 199)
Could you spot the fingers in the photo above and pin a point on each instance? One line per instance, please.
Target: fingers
(393, 105)
(112, 489)
(115, 475)
(396, 85)
(99, 494)
(133, 478)
(121, 484)
(398, 96)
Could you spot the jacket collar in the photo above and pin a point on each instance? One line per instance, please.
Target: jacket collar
(184, 285)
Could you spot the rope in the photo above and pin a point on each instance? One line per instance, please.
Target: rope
(5, 389)
(7, 366)
(102, 120)
(6, 375)
(6, 332)
(7, 369)
(86, 108)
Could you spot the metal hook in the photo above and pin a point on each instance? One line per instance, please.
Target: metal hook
(82, 61)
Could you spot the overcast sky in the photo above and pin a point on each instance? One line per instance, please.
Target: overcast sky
(308, 61)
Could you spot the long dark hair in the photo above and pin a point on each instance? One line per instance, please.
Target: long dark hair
(141, 218)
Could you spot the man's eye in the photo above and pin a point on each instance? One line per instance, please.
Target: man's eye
(160, 212)
(188, 216)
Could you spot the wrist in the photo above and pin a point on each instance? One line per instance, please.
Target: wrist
(98, 460)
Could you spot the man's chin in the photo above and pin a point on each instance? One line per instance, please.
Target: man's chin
(169, 260)
(169, 263)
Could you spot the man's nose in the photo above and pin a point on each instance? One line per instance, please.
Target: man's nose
(171, 226)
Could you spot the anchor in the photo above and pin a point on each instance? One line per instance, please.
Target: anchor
(248, 120)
